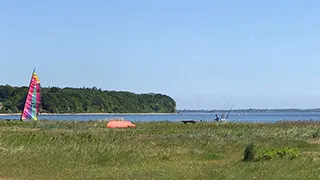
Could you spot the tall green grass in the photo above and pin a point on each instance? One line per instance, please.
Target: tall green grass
(155, 150)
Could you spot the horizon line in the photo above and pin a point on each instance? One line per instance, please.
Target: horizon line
(249, 109)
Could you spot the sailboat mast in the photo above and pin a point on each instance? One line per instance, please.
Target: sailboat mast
(39, 100)
(34, 69)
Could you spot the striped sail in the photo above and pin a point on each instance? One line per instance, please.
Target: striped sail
(32, 103)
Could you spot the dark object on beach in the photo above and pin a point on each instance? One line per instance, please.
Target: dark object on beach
(189, 121)
(5, 119)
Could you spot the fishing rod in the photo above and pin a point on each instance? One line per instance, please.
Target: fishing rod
(229, 111)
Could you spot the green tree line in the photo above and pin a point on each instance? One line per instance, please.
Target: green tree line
(86, 100)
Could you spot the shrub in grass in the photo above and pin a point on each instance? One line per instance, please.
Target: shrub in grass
(249, 152)
(316, 135)
(252, 153)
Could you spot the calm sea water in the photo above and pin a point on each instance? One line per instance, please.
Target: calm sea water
(233, 117)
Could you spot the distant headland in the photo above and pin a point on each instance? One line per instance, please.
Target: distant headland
(55, 100)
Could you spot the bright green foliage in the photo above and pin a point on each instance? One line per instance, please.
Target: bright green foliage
(87, 100)
(253, 153)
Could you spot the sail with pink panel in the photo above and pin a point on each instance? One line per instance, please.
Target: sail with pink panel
(33, 99)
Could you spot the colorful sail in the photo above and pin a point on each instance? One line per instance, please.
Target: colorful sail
(32, 103)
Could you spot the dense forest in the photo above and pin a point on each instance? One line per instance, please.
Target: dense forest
(86, 100)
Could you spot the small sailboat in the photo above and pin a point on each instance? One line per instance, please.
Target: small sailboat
(223, 117)
(32, 102)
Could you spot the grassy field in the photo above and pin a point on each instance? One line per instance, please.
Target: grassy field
(155, 150)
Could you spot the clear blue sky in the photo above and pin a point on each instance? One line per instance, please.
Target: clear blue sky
(205, 54)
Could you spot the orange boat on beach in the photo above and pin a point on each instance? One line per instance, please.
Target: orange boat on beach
(120, 124)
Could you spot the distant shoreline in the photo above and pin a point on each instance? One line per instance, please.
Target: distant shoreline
(249, 110)
(184, 112)
(76, 114)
